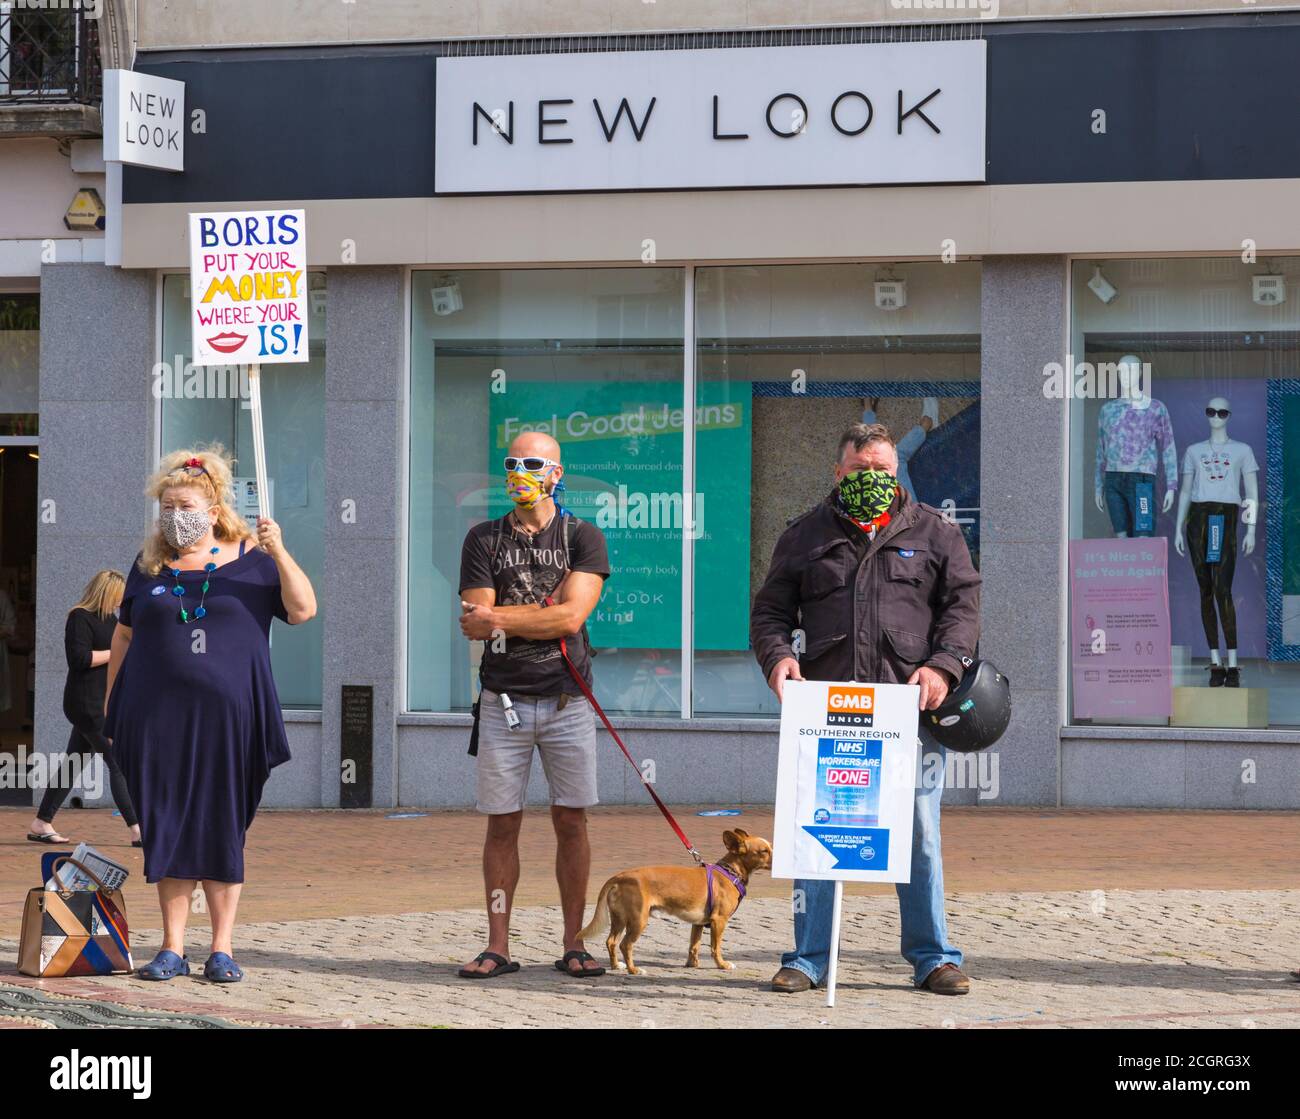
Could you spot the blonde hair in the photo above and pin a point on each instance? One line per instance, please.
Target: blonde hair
(103, 594)
(214, 481)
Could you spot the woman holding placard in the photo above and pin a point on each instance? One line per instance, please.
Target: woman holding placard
(192, 709)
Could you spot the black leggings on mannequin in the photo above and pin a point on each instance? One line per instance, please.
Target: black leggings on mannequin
(1214, 579)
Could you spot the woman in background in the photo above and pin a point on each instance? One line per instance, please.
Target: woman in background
(87, 636)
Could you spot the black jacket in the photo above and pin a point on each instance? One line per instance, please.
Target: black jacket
(871, 610)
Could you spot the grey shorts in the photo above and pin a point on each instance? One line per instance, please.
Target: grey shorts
(566, 739)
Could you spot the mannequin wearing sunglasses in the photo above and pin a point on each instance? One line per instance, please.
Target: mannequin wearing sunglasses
(1215, 473)
(1135, 444)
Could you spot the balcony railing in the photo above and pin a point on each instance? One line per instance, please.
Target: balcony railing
(49, 53)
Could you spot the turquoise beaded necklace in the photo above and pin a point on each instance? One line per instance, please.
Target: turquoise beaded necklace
(179, 591)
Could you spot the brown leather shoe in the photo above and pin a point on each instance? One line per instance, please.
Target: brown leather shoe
(947, 979)
(789, 980)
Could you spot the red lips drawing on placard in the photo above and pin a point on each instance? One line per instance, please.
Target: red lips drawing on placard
(227, 343)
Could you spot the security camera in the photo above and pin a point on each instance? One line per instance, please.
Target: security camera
(1101, 287)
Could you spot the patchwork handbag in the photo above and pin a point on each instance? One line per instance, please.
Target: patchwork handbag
(74, 932)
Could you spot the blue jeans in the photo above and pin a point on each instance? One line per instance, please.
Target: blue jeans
(920, 902)
(1122, 491)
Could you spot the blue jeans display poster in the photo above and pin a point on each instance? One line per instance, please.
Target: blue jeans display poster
(1283, 519)
(622, 450)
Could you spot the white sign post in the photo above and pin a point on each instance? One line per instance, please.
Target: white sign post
(845, 788)
(248, 300)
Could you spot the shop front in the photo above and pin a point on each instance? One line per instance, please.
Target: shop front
(697, 345)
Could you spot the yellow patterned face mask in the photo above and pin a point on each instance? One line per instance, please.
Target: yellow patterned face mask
(526, 488)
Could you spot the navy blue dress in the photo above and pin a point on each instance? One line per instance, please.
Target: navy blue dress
(197, 733)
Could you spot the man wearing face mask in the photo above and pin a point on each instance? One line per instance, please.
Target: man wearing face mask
(883, 590)
(527, 581)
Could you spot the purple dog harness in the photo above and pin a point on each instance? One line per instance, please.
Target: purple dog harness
(709, 868)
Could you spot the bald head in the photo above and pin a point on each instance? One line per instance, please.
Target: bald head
(535, 443)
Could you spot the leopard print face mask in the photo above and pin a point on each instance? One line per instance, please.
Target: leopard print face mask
(183, 527)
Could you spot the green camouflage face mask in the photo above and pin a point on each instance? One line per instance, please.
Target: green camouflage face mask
(865, 494)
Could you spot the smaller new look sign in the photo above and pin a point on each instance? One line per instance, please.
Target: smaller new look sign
(144, 120)
(698, 119)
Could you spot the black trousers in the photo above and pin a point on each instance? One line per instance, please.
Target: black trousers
(88, 738)
(1214, 579)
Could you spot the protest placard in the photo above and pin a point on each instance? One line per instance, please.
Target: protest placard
(845, 787)
(248, 285)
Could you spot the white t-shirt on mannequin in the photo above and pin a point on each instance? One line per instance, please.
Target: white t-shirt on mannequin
(1217, 469)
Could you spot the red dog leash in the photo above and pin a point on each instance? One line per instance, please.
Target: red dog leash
(564, 652)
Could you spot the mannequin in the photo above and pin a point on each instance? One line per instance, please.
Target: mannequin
(1214, 474)
(910, 443)
(1134, 438)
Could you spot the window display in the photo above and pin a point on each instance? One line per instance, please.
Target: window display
(803, 351)
(594, 358)
(786, 358)
(1184, 449)
(20, 362)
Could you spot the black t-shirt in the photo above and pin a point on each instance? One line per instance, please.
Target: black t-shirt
(526, 569)
(85, 633)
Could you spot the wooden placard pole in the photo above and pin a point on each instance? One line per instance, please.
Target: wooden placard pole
(259, 444)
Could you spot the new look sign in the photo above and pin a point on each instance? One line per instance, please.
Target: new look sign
(144, 120)
(700, 119)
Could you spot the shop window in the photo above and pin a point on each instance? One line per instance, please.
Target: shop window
(20, 358)
(594, 357)
(1185, 493)
(787, 357)
(202, 405)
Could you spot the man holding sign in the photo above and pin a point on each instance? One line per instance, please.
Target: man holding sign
(872, 586)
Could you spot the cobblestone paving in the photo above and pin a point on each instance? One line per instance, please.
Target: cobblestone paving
(1178, 958)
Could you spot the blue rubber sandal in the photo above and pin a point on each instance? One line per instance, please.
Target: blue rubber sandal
(165, 965)
(220, 968)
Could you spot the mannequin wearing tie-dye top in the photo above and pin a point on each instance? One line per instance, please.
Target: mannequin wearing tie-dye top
(1135, 443)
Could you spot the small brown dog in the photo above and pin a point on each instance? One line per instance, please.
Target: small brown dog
(627, 900)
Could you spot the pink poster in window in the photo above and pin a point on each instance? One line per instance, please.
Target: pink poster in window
(1119, 629)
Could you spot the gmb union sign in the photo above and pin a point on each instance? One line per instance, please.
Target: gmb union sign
(698, 119)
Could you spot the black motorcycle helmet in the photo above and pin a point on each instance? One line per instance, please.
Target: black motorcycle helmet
(976, 711)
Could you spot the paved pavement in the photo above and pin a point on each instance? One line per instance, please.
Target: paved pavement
(1117, 919)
